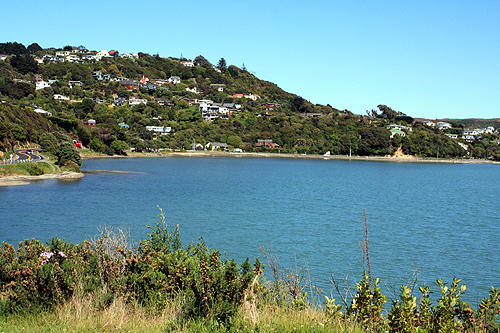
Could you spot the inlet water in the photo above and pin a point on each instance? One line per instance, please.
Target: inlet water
(438, 220)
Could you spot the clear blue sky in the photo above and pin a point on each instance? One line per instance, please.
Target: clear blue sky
(431, 59)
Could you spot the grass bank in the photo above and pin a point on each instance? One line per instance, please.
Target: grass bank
(27, 169)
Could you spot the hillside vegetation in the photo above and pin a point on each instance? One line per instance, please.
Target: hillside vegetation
(81, 86)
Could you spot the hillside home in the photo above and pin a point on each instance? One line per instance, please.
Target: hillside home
(266, 144)
(119, 101)
(253, 97)
(195, 90)
(310, 115)
(211, 112)
(162, 130)
(131, 56)
(399, 127)
(41, 85)
(187, 63)
(134, 100)
(271, 106)
(99, 76)
(114, 53)
(163, 101)
(216, 146)
(75, 83)
(468, 131)
(130, 85)
(89, 123)
(174, 80)
(62, 53)
(395, 132)
(218, 87)
(60, 98)
(468, 138)
(443, 125)
(38, 110)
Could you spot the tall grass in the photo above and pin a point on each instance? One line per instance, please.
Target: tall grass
(25, 169)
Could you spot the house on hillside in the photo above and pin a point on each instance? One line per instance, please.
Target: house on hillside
(216, 146)
(218, 87)
(114, 53)
(174, 80)
(89, 123)
(271, 106)
(134, 100)
(130, 85)
(310, 115)
(41, 84)
(395, 131)
(266, 144)
(60, 98)
(62, 54)
(75, 83)
(187, 63)
(162, 130)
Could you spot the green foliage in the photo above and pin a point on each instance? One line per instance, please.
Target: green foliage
(368, 303)
(16, 90)
(66, 152)
(160, 271)
(12, 48)
(19, 123)
(24, 64)
(34, 169)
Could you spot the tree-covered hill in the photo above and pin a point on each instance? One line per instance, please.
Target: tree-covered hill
(19, 125)
(77, 85)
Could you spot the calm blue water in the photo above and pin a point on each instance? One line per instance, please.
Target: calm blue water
(439, 219)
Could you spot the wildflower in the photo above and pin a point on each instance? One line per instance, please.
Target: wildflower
(62, 254)
(47, 255)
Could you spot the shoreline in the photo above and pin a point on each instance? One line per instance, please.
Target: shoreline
(26, 180)
(404, 159)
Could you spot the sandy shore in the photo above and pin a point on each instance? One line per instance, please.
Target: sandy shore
(24, 180)
(404, 159)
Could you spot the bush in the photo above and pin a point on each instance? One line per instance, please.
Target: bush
(158, 273)
(34, 169)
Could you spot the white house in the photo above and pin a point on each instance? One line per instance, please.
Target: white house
(397, 132)
(162, 130)
(58, 97)
(399, 127)
(187, 63)
(211, 112)
(174, 79)
(43, 112)
(443, 125)
(133, 100)
(62, 53)
(41, 85)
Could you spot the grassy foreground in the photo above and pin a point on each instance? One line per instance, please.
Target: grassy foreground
(103, 285)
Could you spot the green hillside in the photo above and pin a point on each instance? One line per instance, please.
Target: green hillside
(133, 98)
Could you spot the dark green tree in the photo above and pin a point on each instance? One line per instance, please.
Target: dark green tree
(34, 48)
(66, 152)
(24, 64)
(222, 65)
